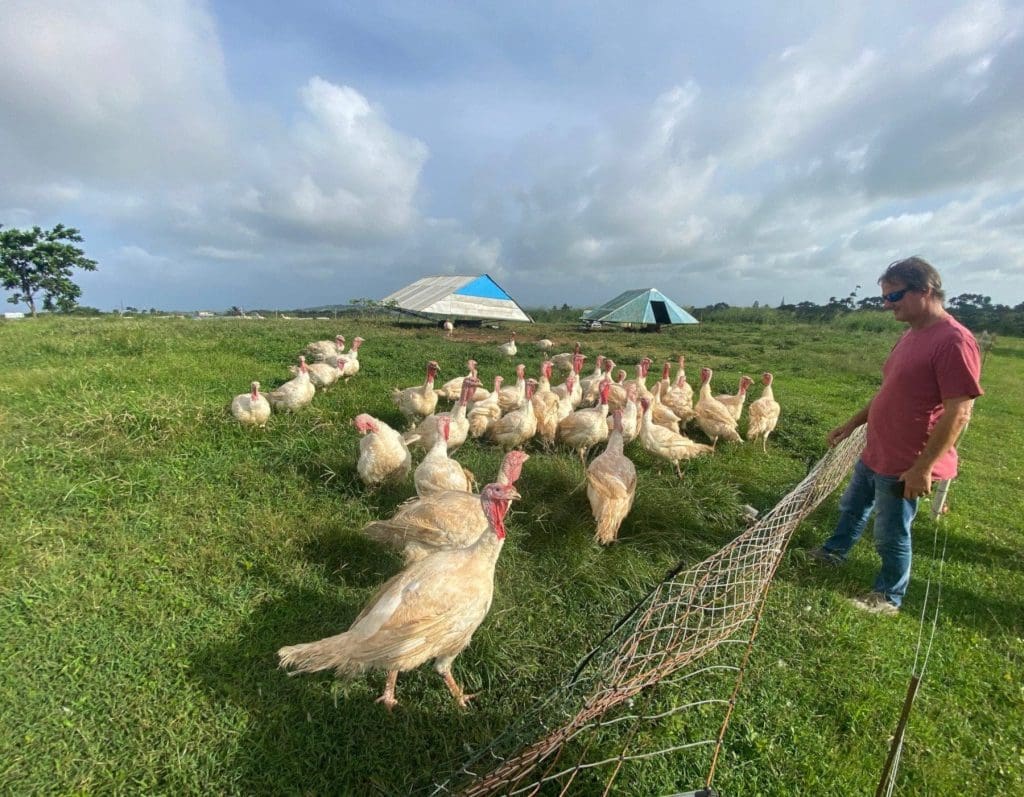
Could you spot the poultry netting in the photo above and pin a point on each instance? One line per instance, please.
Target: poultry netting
(694, 630)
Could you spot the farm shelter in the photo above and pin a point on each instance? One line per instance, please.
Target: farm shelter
(457, 297)
(638, 307)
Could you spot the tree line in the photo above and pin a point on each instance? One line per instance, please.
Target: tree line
(973, 310)
(37, 264)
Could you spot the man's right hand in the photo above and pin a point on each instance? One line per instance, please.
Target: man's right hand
(838, 434)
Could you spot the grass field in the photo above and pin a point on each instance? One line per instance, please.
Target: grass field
(154, 555)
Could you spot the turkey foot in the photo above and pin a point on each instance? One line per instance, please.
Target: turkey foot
(388, 698)
(460, 697)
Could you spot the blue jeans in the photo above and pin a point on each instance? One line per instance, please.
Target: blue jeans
(893, 518)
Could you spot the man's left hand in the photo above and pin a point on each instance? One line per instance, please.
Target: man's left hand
(917, 483)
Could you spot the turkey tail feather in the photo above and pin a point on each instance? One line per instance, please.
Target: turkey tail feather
(326, 654)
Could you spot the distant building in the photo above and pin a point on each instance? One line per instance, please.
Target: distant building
(453, 297)
(639, 307)
(14, 316)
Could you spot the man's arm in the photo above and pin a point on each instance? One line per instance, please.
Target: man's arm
(956, 412)
(843, 431)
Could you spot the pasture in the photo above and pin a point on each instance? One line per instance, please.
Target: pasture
(154, 555)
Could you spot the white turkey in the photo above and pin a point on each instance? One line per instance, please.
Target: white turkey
(665, 443)
(764, 413)
(325, 351)
(251, 408)
(735, 402)
(458, 422)
(352, 359)
(713, 417)
(438, 472)
(383, 454)
(563, 361)
(509, 347)
(428, 611)
(482, 414)
(419, 401)
(611, 485)
(294, 394)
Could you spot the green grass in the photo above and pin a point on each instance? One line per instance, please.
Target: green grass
(154, 555)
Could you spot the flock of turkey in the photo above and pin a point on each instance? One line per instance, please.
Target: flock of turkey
(327, 365)
(451, 536)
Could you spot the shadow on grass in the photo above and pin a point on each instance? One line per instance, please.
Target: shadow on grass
(963, 550)
(358, 561)
(319, 735)
(984, 613)
(991, 615)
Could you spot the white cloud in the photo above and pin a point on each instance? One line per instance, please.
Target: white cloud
(854, 137)
(114, 93)
(217, 253)
(342, 172)
(969, 30)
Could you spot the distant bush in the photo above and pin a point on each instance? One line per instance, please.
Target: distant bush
(735, 315)
(867, 321)
(81, 310)
(555, 315)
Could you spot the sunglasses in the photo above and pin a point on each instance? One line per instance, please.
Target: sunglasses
(895, 296)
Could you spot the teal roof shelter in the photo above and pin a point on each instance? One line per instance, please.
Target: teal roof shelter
(640, 306)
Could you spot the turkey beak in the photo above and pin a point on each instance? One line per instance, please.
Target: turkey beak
(513, 494)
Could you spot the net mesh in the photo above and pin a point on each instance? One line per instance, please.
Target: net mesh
(695, 630)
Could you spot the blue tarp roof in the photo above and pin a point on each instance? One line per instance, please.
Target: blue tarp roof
(458, 296)
(640, 306)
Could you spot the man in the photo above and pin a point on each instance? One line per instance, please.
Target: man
(929, 383)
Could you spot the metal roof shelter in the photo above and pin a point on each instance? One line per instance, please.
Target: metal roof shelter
(448, 296)
(640, 306)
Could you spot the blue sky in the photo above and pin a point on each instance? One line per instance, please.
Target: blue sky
(287, 155)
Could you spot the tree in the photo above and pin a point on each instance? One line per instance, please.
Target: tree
(37, 261)
(970, 301)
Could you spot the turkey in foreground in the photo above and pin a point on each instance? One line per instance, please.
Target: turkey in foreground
(441, 521)
(429, 610)
(251, 408)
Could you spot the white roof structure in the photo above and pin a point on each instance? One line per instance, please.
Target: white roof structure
(451, 296)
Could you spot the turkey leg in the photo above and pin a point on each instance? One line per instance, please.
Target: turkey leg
(388, 698)
(460, 697)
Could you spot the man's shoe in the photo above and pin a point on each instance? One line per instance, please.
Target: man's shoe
(876, 603)
(823, 556)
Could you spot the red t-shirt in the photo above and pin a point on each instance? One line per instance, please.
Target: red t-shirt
(924, 368)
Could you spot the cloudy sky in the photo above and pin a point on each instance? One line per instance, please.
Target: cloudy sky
(270, 154)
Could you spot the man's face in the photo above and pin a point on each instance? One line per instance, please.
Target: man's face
(906, 305)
